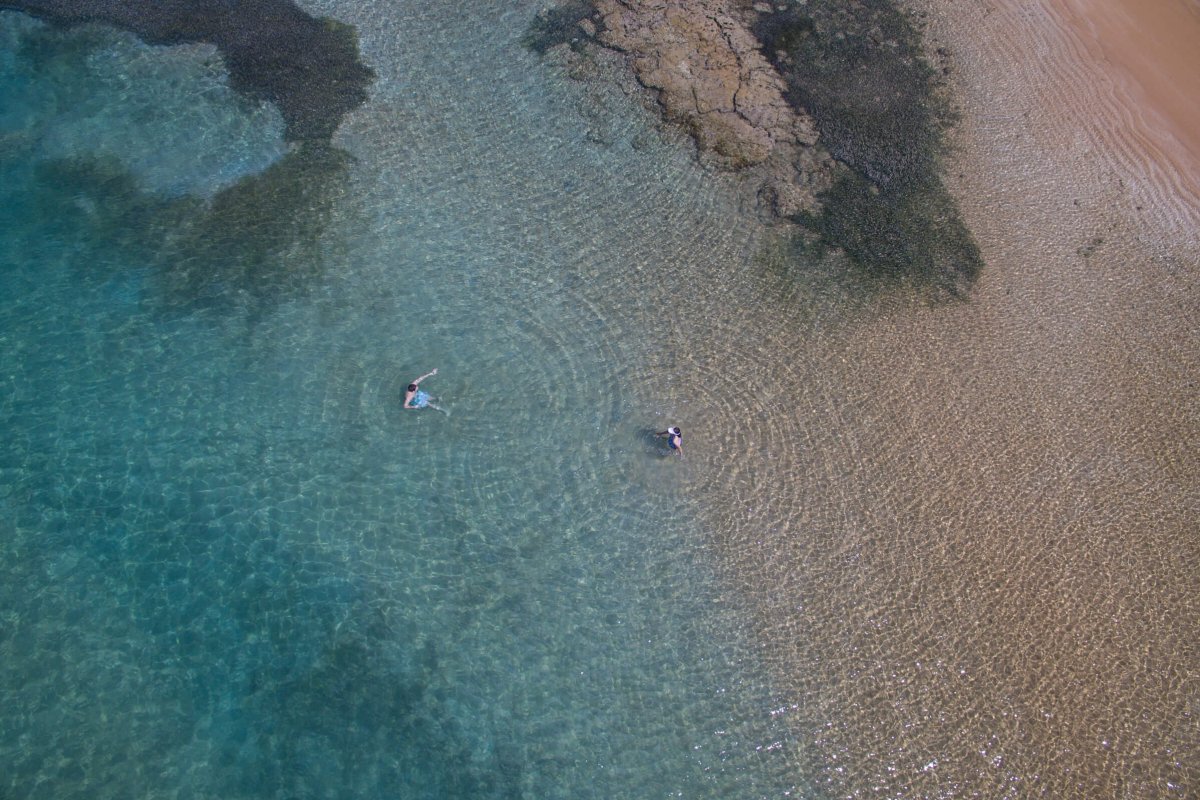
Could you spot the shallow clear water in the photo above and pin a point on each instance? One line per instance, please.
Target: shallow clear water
(233, 566)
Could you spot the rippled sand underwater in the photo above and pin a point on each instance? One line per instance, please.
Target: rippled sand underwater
(940, 550)
(973, 533)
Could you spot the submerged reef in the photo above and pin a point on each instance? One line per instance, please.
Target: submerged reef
(826, 107)
(257, 243)
(856, 66)
(261, 235)
(709, 76)
(308, 67)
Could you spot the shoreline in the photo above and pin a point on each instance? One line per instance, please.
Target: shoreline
(831, 118)
(969, 532)
(967, 529)
(1147, 54)
(1116, 120)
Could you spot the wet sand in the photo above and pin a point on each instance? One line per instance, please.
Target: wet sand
(972, 528)
(1112, 84)
(1143, 62)
(1054, 420)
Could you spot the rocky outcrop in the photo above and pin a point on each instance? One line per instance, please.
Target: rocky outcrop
(712, 78)
(710, 73)
(827, 111)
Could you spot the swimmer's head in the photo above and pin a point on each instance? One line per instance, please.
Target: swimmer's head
(412, 387)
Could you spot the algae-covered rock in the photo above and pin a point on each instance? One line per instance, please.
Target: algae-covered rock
(707, 72)
(826, 106)
(856, 66)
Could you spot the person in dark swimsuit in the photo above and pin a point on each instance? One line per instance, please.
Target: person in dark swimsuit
(674, 438)
(415, 398)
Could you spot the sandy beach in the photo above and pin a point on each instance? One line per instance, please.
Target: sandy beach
(1106, 91)
(1058, 414)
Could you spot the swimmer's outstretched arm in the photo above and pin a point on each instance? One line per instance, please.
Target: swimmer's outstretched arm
(426, 375)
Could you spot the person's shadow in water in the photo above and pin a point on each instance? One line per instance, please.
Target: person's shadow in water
(652, 444)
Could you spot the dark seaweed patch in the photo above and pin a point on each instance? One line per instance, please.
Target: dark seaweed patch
(308, 67)
(257, 242)
(856, 68)
(261, 235)
(909, 231)
(96, 200)
(558, 25)
(354, 699)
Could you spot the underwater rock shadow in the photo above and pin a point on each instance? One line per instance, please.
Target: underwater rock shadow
(262, 235)
(857, 68)
(651, 444)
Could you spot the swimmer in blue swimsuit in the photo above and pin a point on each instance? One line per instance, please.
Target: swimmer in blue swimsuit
(674, 438)
(415, 398)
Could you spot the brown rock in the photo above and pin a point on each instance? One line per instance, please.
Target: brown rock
(712, 78)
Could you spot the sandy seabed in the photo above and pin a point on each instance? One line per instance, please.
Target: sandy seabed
(982, 582)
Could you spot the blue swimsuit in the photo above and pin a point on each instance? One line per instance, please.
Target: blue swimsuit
(420, 400)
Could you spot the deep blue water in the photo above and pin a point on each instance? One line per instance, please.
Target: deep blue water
(231, 565)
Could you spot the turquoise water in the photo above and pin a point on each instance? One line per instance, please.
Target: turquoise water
(232, 565)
